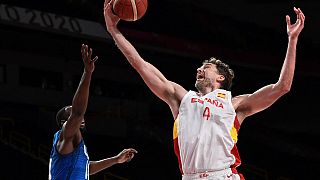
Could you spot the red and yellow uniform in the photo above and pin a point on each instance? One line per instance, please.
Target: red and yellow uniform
(205, 135)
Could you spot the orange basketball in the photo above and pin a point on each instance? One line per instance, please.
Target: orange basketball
(130, 10)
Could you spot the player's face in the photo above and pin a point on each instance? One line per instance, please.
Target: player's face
(68, 111)
(207, 74)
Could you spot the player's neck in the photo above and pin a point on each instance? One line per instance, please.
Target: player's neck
(206, 90)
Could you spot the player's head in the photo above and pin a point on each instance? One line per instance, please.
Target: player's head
(214, 74)
(63, 115)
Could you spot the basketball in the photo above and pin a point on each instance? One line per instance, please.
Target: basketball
(130, 10)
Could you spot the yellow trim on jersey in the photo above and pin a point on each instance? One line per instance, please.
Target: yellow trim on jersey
(175, 129)
(234, 134)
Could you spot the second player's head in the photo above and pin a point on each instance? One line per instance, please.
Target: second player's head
(63, 115)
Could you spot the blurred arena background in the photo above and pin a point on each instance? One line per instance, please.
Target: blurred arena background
(40, 67)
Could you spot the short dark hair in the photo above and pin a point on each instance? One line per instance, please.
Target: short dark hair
(224, 70)
(62, 115)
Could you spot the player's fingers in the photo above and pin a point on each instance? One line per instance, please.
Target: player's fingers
(95, 59)
(111, 2)
(133, 150)
(106, 2)
(130, 157)
(86, 50)
(288, 20)
(83, 51)
(302, 15)
(302, 19)
(125, 151)
(109, 6)
(90, 54)
(104, 7)
(299, 10)
(82, 48)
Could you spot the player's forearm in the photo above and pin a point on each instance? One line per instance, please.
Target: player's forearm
(287, 71)
(96, 166)
(80, 99)
(126, 48)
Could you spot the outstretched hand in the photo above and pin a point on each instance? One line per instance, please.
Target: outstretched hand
(126, 155)
(294, 30)
(86, 57)
(110, 18)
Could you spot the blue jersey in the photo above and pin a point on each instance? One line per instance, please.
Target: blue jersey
(72, 166)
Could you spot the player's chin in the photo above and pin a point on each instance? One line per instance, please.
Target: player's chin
(198, 84)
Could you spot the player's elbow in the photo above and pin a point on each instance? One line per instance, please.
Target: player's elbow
(283, 88)
(286, 89)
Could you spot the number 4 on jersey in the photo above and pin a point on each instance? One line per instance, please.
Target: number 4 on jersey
(206, 113)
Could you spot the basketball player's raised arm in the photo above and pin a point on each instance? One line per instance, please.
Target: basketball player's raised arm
(80, 99)
(247, 105)
(166, 90)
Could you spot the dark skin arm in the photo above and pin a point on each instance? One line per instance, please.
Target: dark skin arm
(124, 156)
(70, 134)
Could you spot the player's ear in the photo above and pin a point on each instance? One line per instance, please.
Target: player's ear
(62, 122)
(221, 78)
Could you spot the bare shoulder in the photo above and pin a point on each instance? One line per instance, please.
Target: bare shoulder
(174, 103)
(180, 91)
(236, 103)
